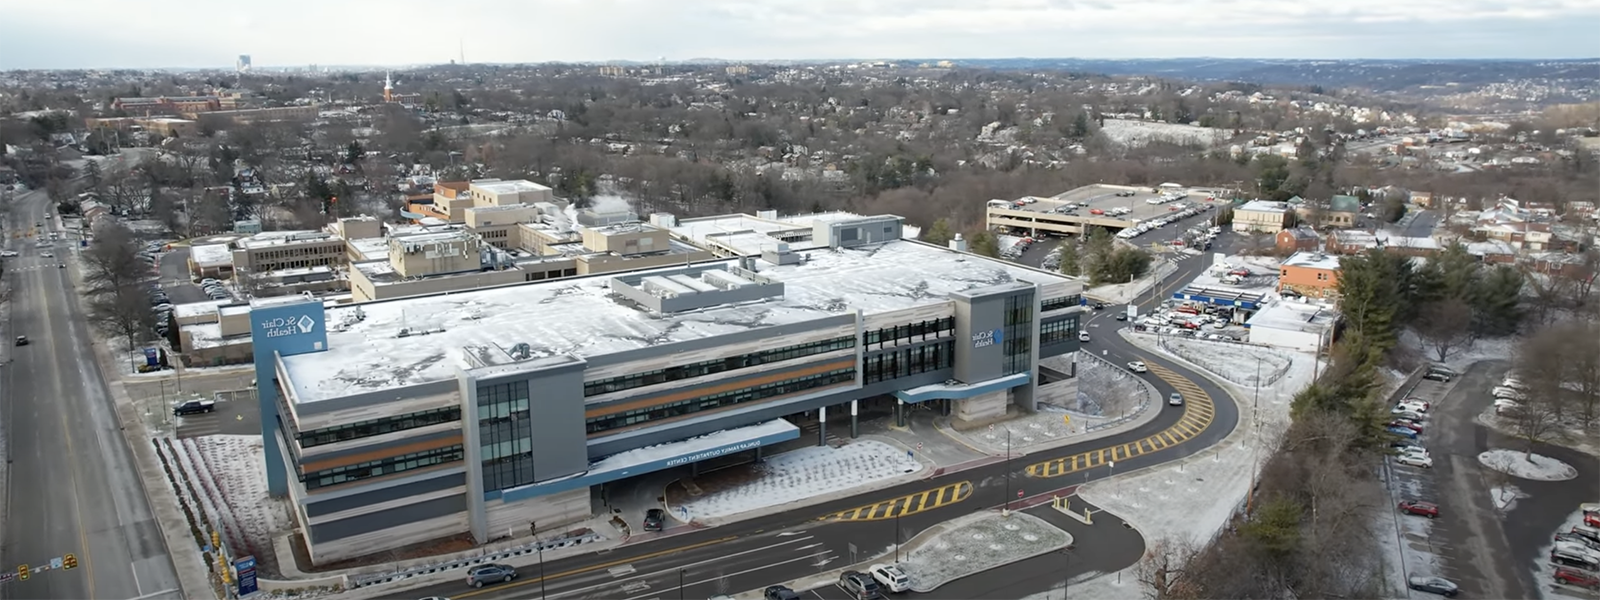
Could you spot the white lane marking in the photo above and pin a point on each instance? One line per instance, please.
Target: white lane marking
(679, 568)
(726, 575)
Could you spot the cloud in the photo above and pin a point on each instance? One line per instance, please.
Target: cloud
(104, 33)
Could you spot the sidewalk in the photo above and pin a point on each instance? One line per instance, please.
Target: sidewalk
(1055, 427)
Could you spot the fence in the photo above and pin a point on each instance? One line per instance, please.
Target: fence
(1145, 390)
(360, 581)
(1228, 372)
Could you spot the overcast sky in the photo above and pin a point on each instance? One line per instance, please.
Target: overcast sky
(121, 33)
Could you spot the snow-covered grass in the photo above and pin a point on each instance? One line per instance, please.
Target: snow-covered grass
(1123, 293)
(805, 473)
(1106, 390)
(1575, 436)
(1238, 363)
(1460, 358)
(235, 463)
(975, 543)
(1517, 463)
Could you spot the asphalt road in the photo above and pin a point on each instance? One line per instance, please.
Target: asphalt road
(72, 486)
(752, 554)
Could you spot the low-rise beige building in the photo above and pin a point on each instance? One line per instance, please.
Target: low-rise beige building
(213, 333)
(1261, 216)
(277, 250)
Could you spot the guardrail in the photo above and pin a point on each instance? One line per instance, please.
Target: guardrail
(360, 581)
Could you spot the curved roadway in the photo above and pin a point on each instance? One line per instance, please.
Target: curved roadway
(791, 544)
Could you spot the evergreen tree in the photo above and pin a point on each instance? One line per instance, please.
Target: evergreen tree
(938, 233)
(984, 243)
(1070, 259)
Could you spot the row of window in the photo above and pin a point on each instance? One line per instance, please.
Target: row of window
(703, 368)
(925, 330)
(552, 274)
(730, 398)
(1018, 345)
(909, 361)
(381, 467)
(1060, 303)
(369, 428)
(1058, 331)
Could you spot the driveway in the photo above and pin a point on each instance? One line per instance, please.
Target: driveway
(175, 277)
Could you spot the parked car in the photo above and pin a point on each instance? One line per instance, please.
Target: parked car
(22, 340)
(47, 255)
(1412, 459)
(655, 519)
(891, 577)
(1578, 578)
(1412, 406)
(1412, 425)
(1437, 376)
(860, 586)
(1587, 531)
(8, 253)
(1419, 508)
(1175, 399)
(1405, 445)
(1507, 393)
(490, 573)
(1122, 316)
(1573, 538)
(779, 592)
(1137, 366)
(1433, 585)
(194, 407)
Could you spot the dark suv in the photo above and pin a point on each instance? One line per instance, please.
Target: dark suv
(655, 519)
(779, 592)
(860, 586)
(491, 573)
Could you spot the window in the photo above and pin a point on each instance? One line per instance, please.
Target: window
(703, 368)
(921, 331)
(374, 427)
(1018, 342)
(1058, 331)
(714, 401)
(381, 467)
(909, 361)
(1060, 303)
(505, 434)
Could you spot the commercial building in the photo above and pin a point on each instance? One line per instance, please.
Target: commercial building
(274, 250)
(167, 126)
(1261, 216)
(1297, 239)
(396, 422)
(1293, 325)
(1310, 274)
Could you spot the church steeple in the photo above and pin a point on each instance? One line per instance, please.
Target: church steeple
(388, 87)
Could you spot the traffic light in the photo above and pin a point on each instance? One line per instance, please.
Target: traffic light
(69, 561)
(22, 572)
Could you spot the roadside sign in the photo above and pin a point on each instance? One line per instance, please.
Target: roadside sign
(55, 563)
(152, 357)
(247, 575)
(1019, 493)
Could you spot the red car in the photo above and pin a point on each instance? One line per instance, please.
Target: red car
(1412, 425)
(1421, 509)
(1578, 578)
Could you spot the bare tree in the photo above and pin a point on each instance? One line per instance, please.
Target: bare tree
(1161, 570)
(1444, 326)
(124, 312)
(1543, 363)
(113, 262)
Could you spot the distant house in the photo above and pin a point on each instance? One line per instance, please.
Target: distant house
(1341, 211)
(1422, 199)
(1351, 241)
(1297, 239)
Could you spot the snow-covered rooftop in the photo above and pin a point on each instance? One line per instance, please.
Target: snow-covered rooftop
(725, 229)
(279, 238)
(580, 317)
(196, 309)
(1294, 316)
(209, 335)
(211, 255)
(1265, 206)
(370, 248)
(509, 187)
(1313, 260)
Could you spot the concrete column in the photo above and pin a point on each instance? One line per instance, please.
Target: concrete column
(855, 426)
(822, 426)
(899, 412)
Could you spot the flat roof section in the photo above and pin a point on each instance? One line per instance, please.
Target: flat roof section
(211, 255)
(1294, 316)
(1313, 260)
(1104, 198)
(581, 317)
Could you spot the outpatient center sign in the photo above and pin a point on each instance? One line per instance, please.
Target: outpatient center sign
(984, 339)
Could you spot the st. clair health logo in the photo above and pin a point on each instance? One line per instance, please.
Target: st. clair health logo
(285, 326)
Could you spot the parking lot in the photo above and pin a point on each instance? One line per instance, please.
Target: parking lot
(1489, 550)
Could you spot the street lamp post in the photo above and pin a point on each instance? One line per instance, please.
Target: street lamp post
(1008, 470)
(539, 548)
(897, 532)
(680, 583)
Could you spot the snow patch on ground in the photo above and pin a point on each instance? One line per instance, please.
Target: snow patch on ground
(804, 473)
(1238, 363)
(1460, 358)
(1505, 497)
(975, 543)
(1575, 438)
(1537, 467)
(1134, 134)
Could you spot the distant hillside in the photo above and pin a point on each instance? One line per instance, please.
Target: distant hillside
(1379, 75)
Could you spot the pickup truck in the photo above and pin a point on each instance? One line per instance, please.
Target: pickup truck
(193, 407)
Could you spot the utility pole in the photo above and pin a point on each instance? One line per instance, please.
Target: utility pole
(538, 547)
(1008, 471)
(897, 531)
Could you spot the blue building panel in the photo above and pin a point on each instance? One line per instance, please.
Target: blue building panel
(942, 391)
(281, 329)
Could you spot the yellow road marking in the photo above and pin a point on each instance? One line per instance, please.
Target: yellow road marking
(1198, 413)
(905, 505)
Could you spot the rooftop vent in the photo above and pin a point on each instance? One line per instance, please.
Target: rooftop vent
(521, 351)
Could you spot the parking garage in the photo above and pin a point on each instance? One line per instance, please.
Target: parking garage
(1113, 207)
